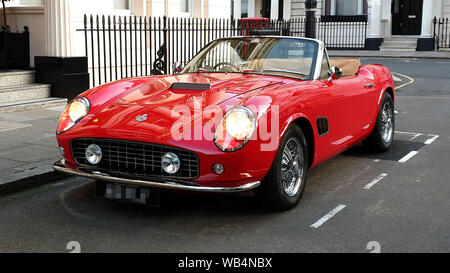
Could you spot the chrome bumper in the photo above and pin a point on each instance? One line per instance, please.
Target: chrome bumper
(60, 166)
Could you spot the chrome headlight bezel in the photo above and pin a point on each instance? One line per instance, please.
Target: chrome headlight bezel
(222, 123)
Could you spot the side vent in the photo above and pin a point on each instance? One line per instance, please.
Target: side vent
(322, 126)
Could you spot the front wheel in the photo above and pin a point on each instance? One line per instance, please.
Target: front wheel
(284, 185)
(382, 136)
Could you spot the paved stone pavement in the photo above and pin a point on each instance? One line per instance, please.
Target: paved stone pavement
(27, 143)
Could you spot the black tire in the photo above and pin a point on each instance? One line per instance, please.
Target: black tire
(271, 193)
(377, 141)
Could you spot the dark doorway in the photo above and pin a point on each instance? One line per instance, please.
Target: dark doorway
(407, 17)
(265, 10)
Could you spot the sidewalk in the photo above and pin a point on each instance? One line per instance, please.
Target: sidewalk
(28, 148)
(390, 54)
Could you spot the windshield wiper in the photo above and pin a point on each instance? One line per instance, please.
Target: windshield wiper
(285, 71)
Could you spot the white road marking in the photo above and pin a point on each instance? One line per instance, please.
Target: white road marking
(376, 180)
(396, 79)
(406, 133)
(328, 216)
(411, 80)
(408, 156)
(414, 137)
(430, 140)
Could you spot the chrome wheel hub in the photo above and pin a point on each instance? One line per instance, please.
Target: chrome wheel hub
(387, 126)
(292, 167)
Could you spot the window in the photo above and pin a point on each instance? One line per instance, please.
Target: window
(122, 4)
(184, 6)
(32, 2)
(244, 8)
(346, 7)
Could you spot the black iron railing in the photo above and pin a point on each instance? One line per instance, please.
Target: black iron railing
(122, 47)
(342, 32)
(441, 32)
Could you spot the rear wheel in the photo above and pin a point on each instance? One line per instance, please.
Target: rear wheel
(382, 136)
(284, 185)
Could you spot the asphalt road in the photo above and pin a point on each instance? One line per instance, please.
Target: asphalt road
(389, 202)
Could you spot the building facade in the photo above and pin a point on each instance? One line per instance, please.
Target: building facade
(53, 24)
(386, 18)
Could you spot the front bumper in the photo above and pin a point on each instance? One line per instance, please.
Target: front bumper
(61, 166)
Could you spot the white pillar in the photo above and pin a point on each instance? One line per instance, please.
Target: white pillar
(333, 7)
(427, 18)
(273, 9)
(375, 19)
(59, 31)
(237, 9)
(251, 8)
(287, 9)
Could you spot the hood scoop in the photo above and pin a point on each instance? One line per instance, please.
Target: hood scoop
(190, 86)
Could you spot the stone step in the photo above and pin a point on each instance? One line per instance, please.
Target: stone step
(384, 49)
(24, 92)
(398, 47)
(16, 77)
(401, 43)
(403, 38)
(32, 104)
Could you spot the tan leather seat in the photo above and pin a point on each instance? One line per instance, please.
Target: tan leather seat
(349, 66)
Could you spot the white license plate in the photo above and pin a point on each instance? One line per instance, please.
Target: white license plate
(139, 195)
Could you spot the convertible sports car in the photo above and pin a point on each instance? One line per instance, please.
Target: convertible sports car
(246, 113)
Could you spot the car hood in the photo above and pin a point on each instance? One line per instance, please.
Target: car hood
(158, 91)
(154, 99)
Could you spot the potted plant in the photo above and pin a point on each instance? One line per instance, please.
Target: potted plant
(14, 47)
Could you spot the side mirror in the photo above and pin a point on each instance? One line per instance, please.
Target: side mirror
(336, 72)
(177, 67)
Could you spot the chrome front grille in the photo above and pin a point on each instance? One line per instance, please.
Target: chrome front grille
(131, 158)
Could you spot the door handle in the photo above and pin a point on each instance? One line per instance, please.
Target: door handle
(369, 85)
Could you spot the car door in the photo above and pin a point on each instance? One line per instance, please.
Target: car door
(323, 114)
(353, 111)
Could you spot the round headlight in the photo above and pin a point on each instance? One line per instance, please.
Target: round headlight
(235, 129)
(94, 154)
(78, 109)
(73, 113)
(170, 163)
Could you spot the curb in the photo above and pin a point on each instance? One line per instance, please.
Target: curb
(29, 176)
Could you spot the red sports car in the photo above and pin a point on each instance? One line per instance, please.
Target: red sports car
(246, 113)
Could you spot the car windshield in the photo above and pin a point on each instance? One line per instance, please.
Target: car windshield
(290, 57)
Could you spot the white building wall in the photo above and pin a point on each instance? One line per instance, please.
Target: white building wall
(298, 8)
(158, 8)
(219, 9)
(445, 11)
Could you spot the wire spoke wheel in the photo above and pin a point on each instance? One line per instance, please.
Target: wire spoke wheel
(292, 167)
(387, 123)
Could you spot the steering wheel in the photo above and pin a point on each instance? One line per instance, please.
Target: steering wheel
(234, 67)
